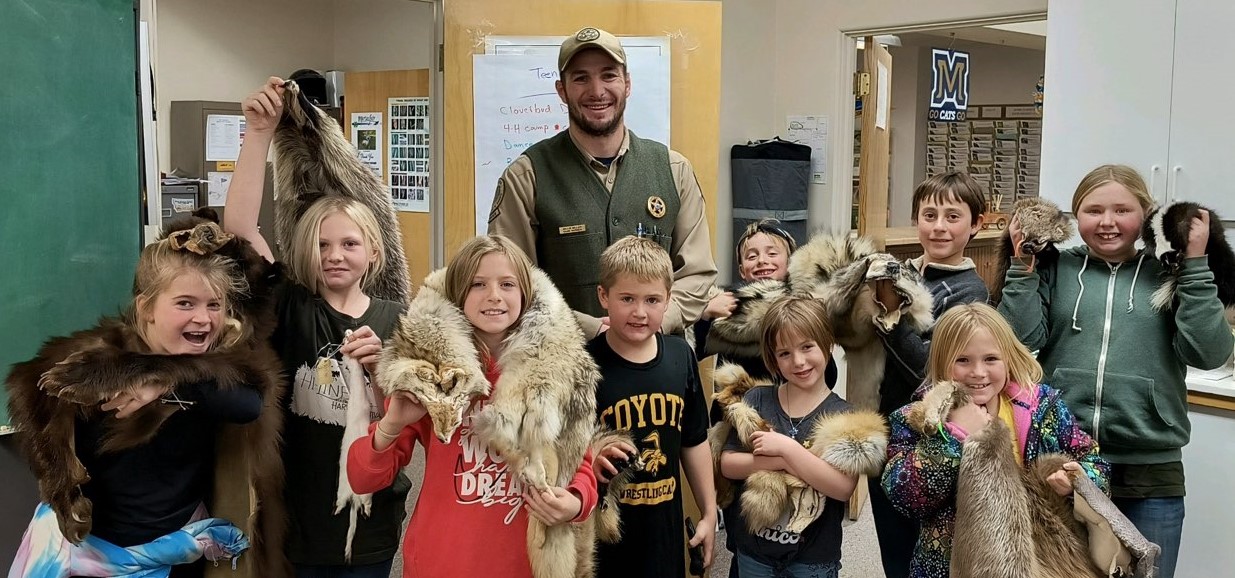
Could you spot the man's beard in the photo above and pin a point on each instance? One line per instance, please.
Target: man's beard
(575, 112)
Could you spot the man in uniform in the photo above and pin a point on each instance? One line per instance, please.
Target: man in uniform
(566, 198)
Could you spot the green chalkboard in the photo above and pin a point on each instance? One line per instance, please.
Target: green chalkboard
(69, 194)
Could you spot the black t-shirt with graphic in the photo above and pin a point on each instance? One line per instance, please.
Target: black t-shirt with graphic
(820, 542)
(661, 404)
(311, 330)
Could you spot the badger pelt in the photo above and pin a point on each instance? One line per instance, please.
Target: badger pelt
(732, 383)
(606, 520)
(313, 159)
(1009, 522)
(840, 271)
(542, 412)
(1165, 234)
(854, 442)
(1043, 225)
(70, 376)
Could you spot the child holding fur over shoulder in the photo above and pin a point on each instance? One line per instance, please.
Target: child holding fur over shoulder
(325, 313)
(488, 346)
(986, 388)
(650, 390)
(799, 448)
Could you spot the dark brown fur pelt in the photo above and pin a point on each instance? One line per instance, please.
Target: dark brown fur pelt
(839, 271)
(313, 159)
(70, 376)
(606, 518)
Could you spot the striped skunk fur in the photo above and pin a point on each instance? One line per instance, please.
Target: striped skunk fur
(313, 159)
(1165, 234)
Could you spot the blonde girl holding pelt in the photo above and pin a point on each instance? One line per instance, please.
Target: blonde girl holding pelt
(796, 347)
(335, 252)
(472, 516)
(975, 348)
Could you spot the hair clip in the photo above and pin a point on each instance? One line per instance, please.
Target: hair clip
(203, 239)
(183, 404)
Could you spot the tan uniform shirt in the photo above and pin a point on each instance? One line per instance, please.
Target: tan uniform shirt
(694, 271)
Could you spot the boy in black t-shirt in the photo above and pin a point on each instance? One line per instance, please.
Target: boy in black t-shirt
(650, 388)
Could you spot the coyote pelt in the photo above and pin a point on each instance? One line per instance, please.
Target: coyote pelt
(839, 271)
(732, 383)
(542, 412)
(70, 376)
(1009, 522)
(313, 159)
(606, 519)
(854, 442)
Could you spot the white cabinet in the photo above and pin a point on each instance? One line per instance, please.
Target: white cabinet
(1146, 83)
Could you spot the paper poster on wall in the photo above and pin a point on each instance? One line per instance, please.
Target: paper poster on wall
(367, 138)
(409, 153)
(515, 104)
(224, 135)
(950, 85)
(216, 189)
(882, 105)
(812, 131)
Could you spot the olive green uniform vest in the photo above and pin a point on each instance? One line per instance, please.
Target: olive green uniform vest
(578, 217)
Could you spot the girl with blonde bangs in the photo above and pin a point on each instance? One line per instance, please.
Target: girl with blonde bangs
(304, 254)
(975, 356)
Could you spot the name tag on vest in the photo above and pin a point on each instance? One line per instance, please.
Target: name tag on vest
(571, 229)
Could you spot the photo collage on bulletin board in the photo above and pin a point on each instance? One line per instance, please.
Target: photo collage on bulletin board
(409, 153)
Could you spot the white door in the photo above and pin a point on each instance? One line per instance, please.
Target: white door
(1107, 96)
(1203, 106)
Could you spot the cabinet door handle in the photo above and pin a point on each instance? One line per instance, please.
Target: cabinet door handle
(1153, 182)
(1172, 183)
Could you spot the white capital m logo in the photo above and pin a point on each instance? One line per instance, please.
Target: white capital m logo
(950, 90)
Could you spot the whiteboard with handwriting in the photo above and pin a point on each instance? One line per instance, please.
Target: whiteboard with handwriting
(516, 105)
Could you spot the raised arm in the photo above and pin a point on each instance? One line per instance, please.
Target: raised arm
(262, 111)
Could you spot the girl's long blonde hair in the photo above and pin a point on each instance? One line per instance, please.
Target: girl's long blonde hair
(956, 327)
(463, 266)
(303, 254)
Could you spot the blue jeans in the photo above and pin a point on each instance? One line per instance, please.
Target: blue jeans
(378, 570)
(751, 568)
(1161, 520)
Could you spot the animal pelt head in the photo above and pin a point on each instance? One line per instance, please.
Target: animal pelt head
(433, 356)
(313, 159)
(738, 334)
(926, 415)
(1165, 234)
(1043, 225)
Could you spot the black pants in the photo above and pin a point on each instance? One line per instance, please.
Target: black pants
(897, 534)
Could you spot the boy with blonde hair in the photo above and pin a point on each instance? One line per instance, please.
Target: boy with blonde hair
(649, 388)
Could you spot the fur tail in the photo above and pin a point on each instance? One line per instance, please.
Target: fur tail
(765, 497)
(552, 549)
(855, 443)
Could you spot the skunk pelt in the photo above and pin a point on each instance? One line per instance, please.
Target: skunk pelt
(71, 376)
(1165, 234)
(313, 159)
(853, 442)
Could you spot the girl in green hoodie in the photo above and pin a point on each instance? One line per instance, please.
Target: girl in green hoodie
(1120, 363)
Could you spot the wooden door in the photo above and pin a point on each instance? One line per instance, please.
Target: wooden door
(876, 120)
(370, 92)
(1107, 92)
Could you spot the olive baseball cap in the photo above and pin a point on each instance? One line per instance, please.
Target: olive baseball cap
(590, 38)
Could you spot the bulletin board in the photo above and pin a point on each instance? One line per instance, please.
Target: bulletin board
(694, 30)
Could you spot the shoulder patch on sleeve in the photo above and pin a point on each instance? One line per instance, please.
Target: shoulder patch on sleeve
(498, 197)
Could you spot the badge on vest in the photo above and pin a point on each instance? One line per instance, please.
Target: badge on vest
(571, 229)
(656, 207)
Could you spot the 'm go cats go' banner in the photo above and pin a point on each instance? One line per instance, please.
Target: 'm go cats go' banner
(950, 89)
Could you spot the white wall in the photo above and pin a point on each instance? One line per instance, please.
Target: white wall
(1206, 546)
(998, 75)
(808, 58)
(224, 49)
